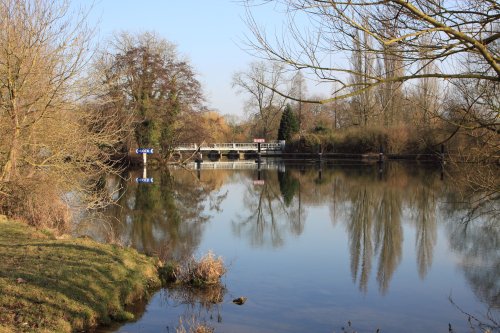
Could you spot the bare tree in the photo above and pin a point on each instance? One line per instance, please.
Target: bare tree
(403, 31)
(265, 105)
(42, 54)
(428, 91)
(299, 91)
(49, 144)
(362, 61)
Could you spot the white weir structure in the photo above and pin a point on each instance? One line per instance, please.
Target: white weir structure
(275, 146)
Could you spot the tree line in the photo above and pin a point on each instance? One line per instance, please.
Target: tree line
(404, 66)
(70, 113)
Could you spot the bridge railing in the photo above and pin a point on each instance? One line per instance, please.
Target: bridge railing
(267, 146)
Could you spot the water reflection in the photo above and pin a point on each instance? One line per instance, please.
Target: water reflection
(374, 209)
(371, 208)
(200, 305)
(270, 210)
(165, 218)
(478, 243)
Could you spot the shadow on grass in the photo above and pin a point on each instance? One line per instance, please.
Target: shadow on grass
(74, 284)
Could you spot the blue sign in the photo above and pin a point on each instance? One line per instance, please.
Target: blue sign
(144, 150)
(144, 180)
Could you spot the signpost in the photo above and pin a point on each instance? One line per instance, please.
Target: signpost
(144, 180)
(145, 152)
(258, 141)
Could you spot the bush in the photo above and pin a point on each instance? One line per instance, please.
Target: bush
(36, 202)
(169, 272)
(364, 140)
(307, 143)
(208, 270)
(398, 139)
(197, 273)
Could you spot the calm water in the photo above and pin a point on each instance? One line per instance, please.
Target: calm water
(313, 249)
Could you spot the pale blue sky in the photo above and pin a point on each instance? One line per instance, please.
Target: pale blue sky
(207, 32)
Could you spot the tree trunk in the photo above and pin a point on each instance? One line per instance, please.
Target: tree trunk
(10, 168)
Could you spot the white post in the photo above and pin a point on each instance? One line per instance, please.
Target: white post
(144, 173)
(144, 159)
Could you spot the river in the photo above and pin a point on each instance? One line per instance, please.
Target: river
(313, 247)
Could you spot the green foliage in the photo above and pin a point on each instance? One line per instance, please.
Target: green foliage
(153, 86)
(289, 124)
(169, 272)
(66, 285)
(320, 129)
(288, 186)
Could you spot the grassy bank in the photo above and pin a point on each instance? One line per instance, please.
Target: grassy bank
(65, 285)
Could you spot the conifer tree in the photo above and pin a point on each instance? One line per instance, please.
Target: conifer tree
(289, 124)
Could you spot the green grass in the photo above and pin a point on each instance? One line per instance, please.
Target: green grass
(65, 285)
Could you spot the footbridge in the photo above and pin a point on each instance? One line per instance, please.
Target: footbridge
(233, 150)
(275, 146)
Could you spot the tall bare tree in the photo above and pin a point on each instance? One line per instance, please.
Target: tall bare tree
(363, 67)
(447, 31)
(265, 105)
(299, 91)
(49, 144)
(427, 93)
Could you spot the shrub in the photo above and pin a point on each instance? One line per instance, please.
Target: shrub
(360, 140)
(36, 202)
(398, 139)
(307, 143)
(206, 271)
(169, 272)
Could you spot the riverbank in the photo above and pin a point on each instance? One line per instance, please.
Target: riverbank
(66, 285)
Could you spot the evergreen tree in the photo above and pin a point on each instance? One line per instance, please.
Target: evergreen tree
(289, 124)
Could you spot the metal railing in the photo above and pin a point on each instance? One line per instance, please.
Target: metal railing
(267, 146)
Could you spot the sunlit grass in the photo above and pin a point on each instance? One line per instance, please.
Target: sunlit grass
(63, 285)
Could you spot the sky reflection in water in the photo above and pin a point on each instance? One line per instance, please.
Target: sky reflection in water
(313, 250)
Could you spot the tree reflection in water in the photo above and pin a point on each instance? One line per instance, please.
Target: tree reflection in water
(165, 218)
(371, 208)
(478, 243)
(272, 211)
(169, 216)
